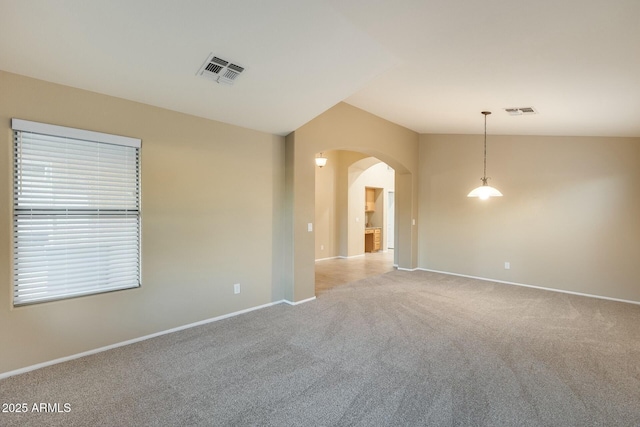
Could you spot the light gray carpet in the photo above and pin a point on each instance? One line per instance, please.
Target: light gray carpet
(402, 349)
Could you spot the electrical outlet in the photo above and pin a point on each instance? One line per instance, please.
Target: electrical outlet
(236, 288)
(322, 247)
(507, 265)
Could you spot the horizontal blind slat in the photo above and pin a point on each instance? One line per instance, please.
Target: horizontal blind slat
(65, 278)
(60, 252)
(85, 268)
(52, 296)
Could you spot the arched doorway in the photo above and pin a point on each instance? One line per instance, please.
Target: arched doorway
(343, 127)
(351, 235)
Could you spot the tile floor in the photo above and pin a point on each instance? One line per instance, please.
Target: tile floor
(338, 271)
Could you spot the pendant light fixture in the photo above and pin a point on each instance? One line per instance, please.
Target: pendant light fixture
(321, 161)
(485, 190)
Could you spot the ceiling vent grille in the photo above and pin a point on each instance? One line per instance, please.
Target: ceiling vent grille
(219, 70)
(521, 111)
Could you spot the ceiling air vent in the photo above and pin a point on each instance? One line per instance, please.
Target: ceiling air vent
(521, 111)
(219, 70)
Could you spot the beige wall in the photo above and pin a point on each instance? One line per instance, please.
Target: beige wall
(569, 218)
(212, 199)
(345, 160)
(327, 231)
(345, 127)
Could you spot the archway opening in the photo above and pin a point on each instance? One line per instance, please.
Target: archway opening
(345, 129)
(354, 218)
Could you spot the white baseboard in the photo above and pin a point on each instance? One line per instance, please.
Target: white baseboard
(348, 257)
(406, 269)
(298, 302)
(352, 256)
(562, 291)
(143, 338)
(326, 259)
(340, 257)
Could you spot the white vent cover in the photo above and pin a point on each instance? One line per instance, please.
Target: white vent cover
(219, 70)
(521, 111)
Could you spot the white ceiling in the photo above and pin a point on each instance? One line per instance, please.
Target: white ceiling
(429, 65)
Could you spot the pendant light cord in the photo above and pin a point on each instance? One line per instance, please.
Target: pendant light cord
(485, 149)
(484, 176)
(485, 191)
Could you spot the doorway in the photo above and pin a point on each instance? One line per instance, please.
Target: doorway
(344, 216)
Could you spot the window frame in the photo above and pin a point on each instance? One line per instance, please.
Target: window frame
(95, 217)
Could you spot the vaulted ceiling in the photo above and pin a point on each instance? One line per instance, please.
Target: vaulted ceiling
(429, 65)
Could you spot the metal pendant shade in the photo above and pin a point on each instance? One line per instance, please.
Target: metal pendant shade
(485, 190)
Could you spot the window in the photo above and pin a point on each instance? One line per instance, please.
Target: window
(76, 212)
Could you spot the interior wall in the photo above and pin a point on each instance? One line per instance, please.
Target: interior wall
(211, 207)
(344, 127)
(345, 160)
(568, 219)
(326, 217)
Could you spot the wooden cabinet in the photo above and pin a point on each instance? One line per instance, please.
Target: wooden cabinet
(376, 240)
(372, 239)
(370, 200)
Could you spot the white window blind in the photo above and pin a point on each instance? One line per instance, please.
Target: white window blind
(76, 212)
